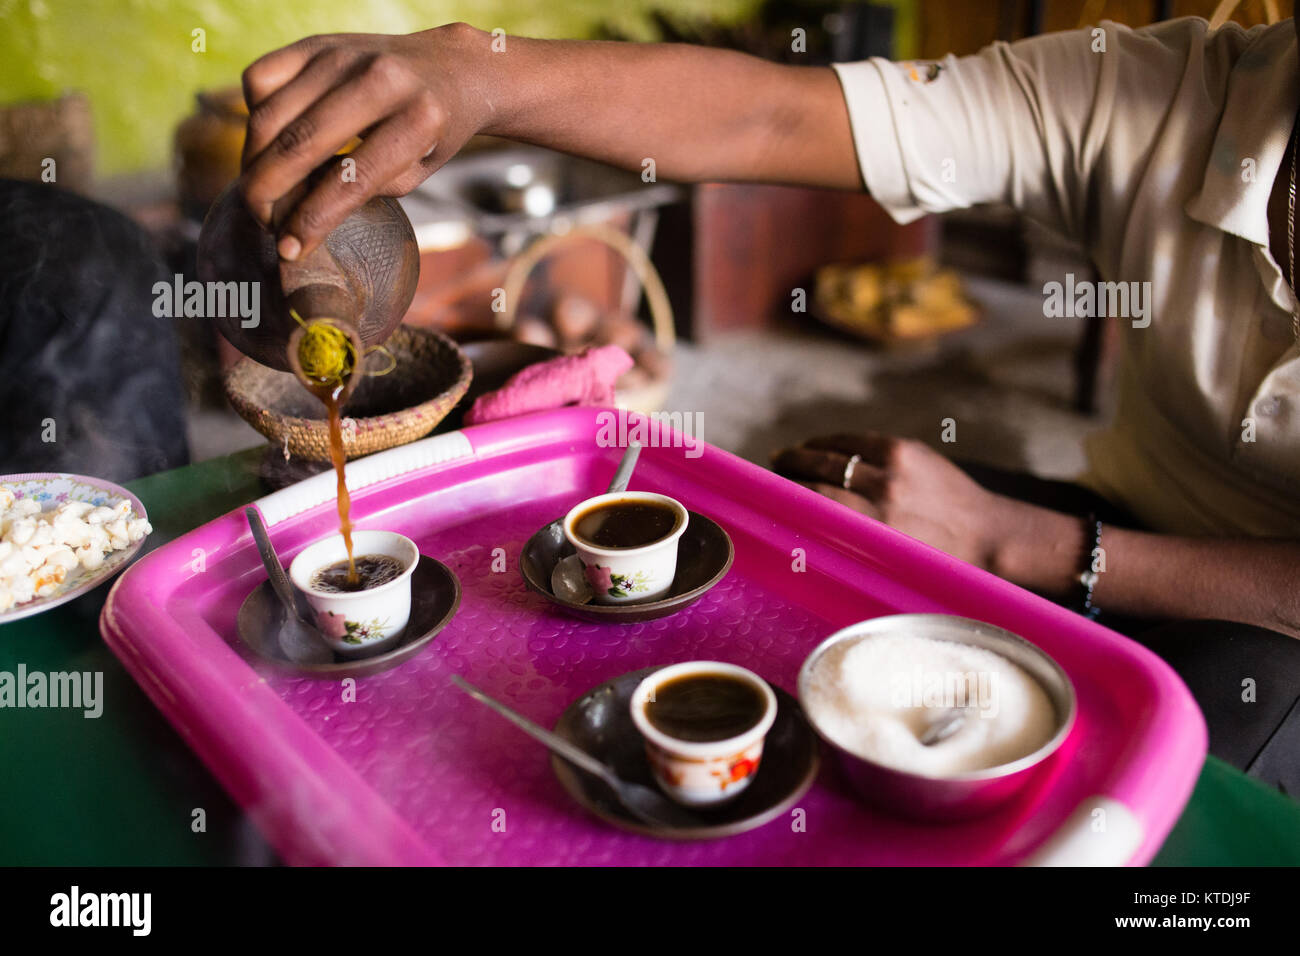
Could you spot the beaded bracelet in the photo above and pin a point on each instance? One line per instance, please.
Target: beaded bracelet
(1088, 577)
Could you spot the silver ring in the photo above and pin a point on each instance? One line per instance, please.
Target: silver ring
(848, 470)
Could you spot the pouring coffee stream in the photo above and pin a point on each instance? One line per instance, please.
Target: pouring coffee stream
(320, 314)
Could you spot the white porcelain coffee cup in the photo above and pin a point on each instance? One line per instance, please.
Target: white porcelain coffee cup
(700, 773)
(358, 623)
(628, 575)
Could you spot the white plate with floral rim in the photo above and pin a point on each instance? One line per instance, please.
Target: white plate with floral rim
(51, 490)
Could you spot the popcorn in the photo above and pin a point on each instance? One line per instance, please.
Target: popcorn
(117, 533)
(16, 564)
(39, 550)
(70, 510)
(62, 557)
(23, 589)
(48, 578)
(21, 531)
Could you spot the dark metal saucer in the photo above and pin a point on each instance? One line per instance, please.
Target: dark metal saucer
(704, 555)
(435, 596)
(600, 722)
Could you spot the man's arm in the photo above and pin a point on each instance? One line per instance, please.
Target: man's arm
(1158, 576)
(914, 489)
(701, 114)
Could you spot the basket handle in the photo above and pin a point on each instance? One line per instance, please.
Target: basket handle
(1092, 11)
(1226, 7)
(661, 311)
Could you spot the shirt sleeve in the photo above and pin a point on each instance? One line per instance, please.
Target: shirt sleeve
(1020, 123)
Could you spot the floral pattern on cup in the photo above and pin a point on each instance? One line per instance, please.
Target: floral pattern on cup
(698, 782)
(738, 769)
(605, 581)
(340, 628)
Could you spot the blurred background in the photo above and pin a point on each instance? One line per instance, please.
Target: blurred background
(788, 312)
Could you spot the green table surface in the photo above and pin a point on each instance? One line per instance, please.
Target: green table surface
(124, 788)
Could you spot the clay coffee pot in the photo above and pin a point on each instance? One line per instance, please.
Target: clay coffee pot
(361, 278)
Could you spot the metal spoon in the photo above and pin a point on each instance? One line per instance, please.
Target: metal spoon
(645, 804)
(568, 579)
(944, 726)
(300, 641)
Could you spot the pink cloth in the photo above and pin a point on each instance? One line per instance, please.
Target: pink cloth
(586, 379)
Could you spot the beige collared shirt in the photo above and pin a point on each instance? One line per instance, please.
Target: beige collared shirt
(1156, 149)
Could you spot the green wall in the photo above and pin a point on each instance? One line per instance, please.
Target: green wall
(134, 57)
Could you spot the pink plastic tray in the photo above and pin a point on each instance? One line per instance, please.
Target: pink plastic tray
(412, 771)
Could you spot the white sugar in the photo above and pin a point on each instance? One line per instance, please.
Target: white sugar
(877, 696)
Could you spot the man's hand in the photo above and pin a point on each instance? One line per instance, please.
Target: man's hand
(309, 100)
(1156, 576)
(917, 491)
(699, 114)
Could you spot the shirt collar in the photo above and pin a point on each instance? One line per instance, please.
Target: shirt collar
(1255, 125)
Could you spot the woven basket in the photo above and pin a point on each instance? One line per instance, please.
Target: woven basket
(430, 376)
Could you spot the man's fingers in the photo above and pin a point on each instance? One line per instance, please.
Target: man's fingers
(318, 133)
(268, 118)
(874, 448)
(413, 176)
(268, 73)
(365, 172)
(807, 464)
